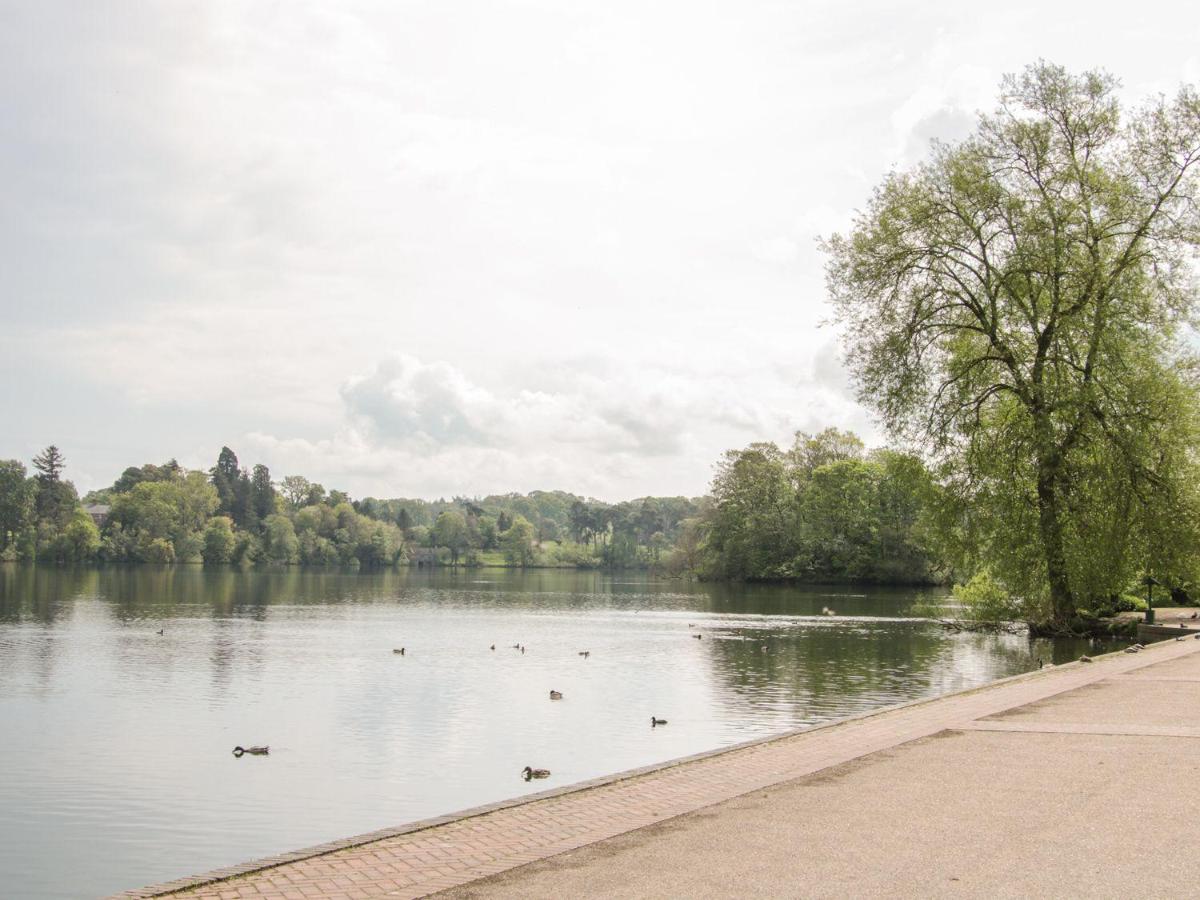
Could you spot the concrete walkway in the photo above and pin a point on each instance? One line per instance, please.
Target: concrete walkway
(1049, 784)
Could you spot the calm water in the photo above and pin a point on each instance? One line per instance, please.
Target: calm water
(115, 763)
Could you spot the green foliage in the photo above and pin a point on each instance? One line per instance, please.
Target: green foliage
(517, 542)
(219, 540)
(984, 599)
(1014, 305)
(279, 540)
(824, 510)
(450, 531)
(16, 502)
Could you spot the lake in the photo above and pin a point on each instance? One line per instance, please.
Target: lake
(116, 751)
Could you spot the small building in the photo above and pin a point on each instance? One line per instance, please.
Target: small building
(98, 512)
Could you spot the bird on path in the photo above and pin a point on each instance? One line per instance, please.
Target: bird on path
(1085, 659)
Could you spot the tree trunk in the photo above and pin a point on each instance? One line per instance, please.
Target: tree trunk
(1062, 603)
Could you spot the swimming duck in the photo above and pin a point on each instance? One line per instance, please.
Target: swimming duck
(585, 653)
(161, 630)
(529, 772)
(698, 637)
(516, 646)
(493, 646)
(656, 722)
(399, 650)
(556, 695)
(253, 751)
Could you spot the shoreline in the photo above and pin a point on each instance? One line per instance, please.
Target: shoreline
(1042, 683)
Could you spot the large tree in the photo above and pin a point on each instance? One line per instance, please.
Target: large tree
(1014, 304)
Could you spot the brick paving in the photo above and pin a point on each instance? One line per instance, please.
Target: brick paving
(423, 858)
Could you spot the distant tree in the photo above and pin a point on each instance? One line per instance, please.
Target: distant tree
(16, 501)
(218, 540)
(243, 511)
(404, 519)
(279, 539)
(225, 476)
(811, 451)
(262, 493)
(56, 499)
(450, 531)
(296, 491)
(49, 464)
(517, 542)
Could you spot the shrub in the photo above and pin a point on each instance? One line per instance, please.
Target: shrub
(984, 599)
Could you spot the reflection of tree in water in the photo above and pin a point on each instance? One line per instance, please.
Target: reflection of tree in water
(45, 596)
(42, 593)
(811, 672)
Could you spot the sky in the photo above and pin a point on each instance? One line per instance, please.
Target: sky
(443, 248)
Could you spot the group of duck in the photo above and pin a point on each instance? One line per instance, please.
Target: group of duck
(528, 773)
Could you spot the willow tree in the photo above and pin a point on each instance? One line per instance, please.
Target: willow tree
(1015, 304)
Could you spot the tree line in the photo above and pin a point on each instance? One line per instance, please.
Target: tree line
(825, 509)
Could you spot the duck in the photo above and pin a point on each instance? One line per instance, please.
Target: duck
(555, 695)
(585, 653)
(516, 646)
(493, 646)
(529, 773)
(826, 611)
(654, 722)
(1194, 615)
(698, 637)
(253, 751)
(160, 631)
(399, 650)
(1085, 659)
(1131, 650)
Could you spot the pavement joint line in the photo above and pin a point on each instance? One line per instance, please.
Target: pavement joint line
(602, 807)
(1083, 728)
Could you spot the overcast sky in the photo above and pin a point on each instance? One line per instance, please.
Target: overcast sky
(437, 248)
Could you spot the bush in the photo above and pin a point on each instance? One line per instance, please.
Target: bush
(984, 599)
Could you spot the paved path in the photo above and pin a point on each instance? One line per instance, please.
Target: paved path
(1121, 697)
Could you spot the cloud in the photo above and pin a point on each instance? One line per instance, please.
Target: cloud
(420, 428)
(427, 408)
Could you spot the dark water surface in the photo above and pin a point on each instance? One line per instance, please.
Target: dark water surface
(115, 762)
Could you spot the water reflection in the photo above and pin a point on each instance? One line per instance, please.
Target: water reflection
(121, 773)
